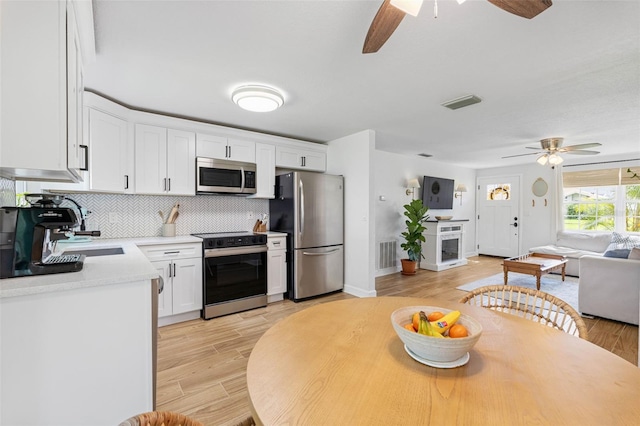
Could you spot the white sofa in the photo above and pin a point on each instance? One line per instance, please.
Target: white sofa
(610, 288)
(574, 245)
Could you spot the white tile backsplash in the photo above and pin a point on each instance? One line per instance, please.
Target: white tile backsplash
(8, 192)
(126, 216)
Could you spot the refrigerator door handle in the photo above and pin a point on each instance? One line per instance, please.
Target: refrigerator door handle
(306, 253)
(301, 207)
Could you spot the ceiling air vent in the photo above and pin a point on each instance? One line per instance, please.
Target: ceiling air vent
(462, 102)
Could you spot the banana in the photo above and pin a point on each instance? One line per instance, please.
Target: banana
(426, 328)
(445, 323)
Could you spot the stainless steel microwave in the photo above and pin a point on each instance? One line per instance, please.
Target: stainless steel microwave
(215, 176)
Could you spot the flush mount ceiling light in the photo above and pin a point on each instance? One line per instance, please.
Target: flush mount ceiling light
(257, 98)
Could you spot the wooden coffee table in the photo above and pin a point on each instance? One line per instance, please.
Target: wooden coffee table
(534, 264)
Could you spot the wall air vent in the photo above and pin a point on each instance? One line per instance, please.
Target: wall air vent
(462, 102)
(425, 155)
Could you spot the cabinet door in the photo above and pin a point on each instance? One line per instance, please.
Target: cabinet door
(211, 146)
(276, 272)
(150, 159)
(265, 171)
(165, 298)
(187, 285)
(74, 91)
(181, 162)
(314, 161)
(240, 150)
(288, 157)
(108, 146)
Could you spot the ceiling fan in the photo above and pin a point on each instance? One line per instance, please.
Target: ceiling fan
(550, 149)
(391, 13)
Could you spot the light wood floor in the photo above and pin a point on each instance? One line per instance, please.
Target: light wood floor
(202, 364)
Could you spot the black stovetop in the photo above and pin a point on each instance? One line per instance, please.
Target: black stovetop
(231, 239)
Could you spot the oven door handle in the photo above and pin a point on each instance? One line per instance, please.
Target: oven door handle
(324, 253)
(230, 251)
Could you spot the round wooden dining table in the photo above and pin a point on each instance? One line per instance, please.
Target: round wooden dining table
(341, 363)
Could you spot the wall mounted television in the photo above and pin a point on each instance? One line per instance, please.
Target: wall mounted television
(437, 193)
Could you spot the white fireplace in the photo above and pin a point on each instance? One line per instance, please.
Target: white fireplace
(443, 248)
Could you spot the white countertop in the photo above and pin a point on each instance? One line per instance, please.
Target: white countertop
(273, 234)
(97, 270)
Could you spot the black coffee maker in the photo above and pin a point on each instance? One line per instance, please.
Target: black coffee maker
(27, 233)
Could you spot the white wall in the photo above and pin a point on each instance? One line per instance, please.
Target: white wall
(351, 156)
(391, 174)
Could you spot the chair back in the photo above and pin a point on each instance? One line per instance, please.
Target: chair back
(160, 418)
(531, 304)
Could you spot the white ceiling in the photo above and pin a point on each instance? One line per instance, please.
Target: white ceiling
(573, 71)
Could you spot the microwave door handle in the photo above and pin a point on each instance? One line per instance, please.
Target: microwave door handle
(301, 207)
(242, 184)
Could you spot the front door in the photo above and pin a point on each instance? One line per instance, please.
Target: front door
(498, 222)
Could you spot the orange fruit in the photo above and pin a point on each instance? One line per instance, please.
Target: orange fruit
(435, 316)
(416, 321)
(409, 327)
(458, 330)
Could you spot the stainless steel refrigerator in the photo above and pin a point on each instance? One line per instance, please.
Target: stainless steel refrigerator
(309, 207)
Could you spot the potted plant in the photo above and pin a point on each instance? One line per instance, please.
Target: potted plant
(416, 214)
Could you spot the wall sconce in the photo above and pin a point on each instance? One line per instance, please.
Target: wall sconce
(459, 190)
(412, 184)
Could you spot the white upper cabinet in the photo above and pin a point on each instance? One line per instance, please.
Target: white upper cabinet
(212, 146)
(164, 161)
(42, 81)
(109, 153)
(300, 158)
(265, 171)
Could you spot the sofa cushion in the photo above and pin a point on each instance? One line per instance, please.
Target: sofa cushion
(596, 242)
(635, 253)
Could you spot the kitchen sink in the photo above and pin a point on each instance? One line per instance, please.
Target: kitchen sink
(110, 251)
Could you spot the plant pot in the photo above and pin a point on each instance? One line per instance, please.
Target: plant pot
(408, 266)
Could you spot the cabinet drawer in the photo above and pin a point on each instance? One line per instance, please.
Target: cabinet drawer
(277, 243)
(172, 251)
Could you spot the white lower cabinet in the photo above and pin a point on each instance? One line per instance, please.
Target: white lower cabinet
(276, 267)
(180, 266)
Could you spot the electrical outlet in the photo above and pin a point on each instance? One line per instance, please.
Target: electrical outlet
(249, 215)
(114, 217)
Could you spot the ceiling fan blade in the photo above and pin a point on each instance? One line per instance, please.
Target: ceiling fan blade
(525, 8)
(383, 25)
(537, 148)
(580, 146)
(583, 152)
(521, 155)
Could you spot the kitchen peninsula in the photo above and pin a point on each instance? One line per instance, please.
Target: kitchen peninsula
(79, 348)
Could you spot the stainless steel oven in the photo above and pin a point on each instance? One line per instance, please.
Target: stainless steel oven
(234, 272)
(222, 176)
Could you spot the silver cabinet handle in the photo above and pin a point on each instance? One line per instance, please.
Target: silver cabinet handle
(301, 207)
(169, 185)
(306, 253)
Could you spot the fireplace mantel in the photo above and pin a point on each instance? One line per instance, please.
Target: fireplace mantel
(444, 248)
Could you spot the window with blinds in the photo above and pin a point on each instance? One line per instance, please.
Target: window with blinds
(602, 200)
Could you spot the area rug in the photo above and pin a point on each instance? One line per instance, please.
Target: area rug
(550, 283)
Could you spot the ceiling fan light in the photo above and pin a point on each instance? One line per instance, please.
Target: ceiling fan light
(555, 159)
(257, 98)
(542, 160)
(461, 1)
(411, 7)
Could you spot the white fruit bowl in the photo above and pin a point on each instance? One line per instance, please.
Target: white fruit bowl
(433, 348)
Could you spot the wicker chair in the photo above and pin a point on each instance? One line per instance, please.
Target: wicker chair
(531, 304)
(169, 418)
